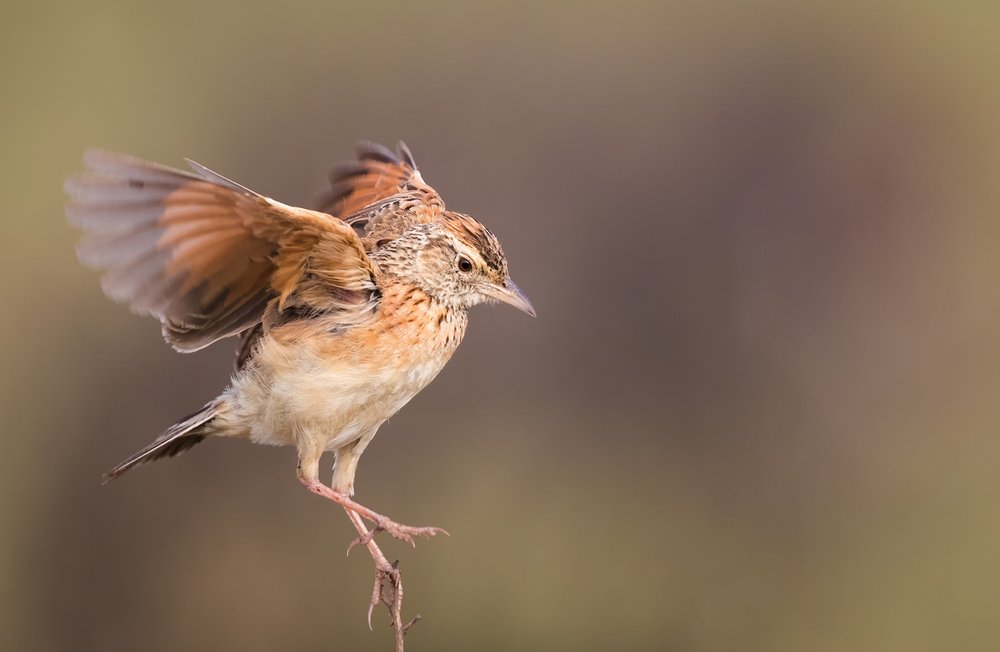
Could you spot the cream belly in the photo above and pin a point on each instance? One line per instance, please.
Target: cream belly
(293, 394)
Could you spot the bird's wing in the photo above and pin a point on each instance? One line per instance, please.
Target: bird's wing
(378, 174)
(381, 194)
(206, 255)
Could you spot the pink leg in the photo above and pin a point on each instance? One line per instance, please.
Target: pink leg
(391, 596)
(401, 532)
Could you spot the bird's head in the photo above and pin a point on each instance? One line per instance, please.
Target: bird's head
(457, 261)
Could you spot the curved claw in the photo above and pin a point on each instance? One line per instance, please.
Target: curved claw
(376, 598)
(364, 539)
(407, 532)
(379, 594)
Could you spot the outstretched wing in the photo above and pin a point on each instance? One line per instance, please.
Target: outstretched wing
(378, 174)
(206, 255)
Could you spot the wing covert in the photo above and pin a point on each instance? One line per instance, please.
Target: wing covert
(376, 175)
(206, 255)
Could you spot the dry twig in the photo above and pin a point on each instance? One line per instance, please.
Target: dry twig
(388, 588)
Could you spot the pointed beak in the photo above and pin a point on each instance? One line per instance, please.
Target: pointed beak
(510, 294)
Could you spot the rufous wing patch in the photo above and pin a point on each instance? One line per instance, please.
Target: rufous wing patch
(201, 253)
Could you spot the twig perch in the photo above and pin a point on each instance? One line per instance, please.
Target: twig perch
(388, 588)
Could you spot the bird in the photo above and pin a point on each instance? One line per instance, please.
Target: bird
(343, 313)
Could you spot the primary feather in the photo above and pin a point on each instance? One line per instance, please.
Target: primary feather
(205, 255)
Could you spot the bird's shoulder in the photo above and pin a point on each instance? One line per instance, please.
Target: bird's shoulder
(407, 328)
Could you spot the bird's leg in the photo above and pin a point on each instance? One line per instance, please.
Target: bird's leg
(388, 587)
(397, 530)
(308, 473)
(385, 573)
(345, 466)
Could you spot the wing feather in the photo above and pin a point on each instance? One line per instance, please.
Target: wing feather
(378, 174)
(381, 194)
(204, 254)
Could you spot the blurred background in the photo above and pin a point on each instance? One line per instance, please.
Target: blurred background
(758, 409)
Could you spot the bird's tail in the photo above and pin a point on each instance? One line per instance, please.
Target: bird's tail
(178, 438)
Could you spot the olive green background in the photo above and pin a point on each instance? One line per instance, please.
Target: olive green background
(758, 409)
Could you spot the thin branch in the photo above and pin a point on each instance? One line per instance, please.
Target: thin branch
(388, 588)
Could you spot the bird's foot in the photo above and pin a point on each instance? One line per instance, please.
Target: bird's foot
(363, 539)
(382, 523)
(402, 532)
(381, 594)
(388, 588)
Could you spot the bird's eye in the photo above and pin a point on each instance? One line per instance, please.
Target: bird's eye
(464, 264)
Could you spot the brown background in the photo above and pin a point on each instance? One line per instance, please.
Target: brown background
(757, 411)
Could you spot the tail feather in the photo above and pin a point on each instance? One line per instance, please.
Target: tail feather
(178, 438)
